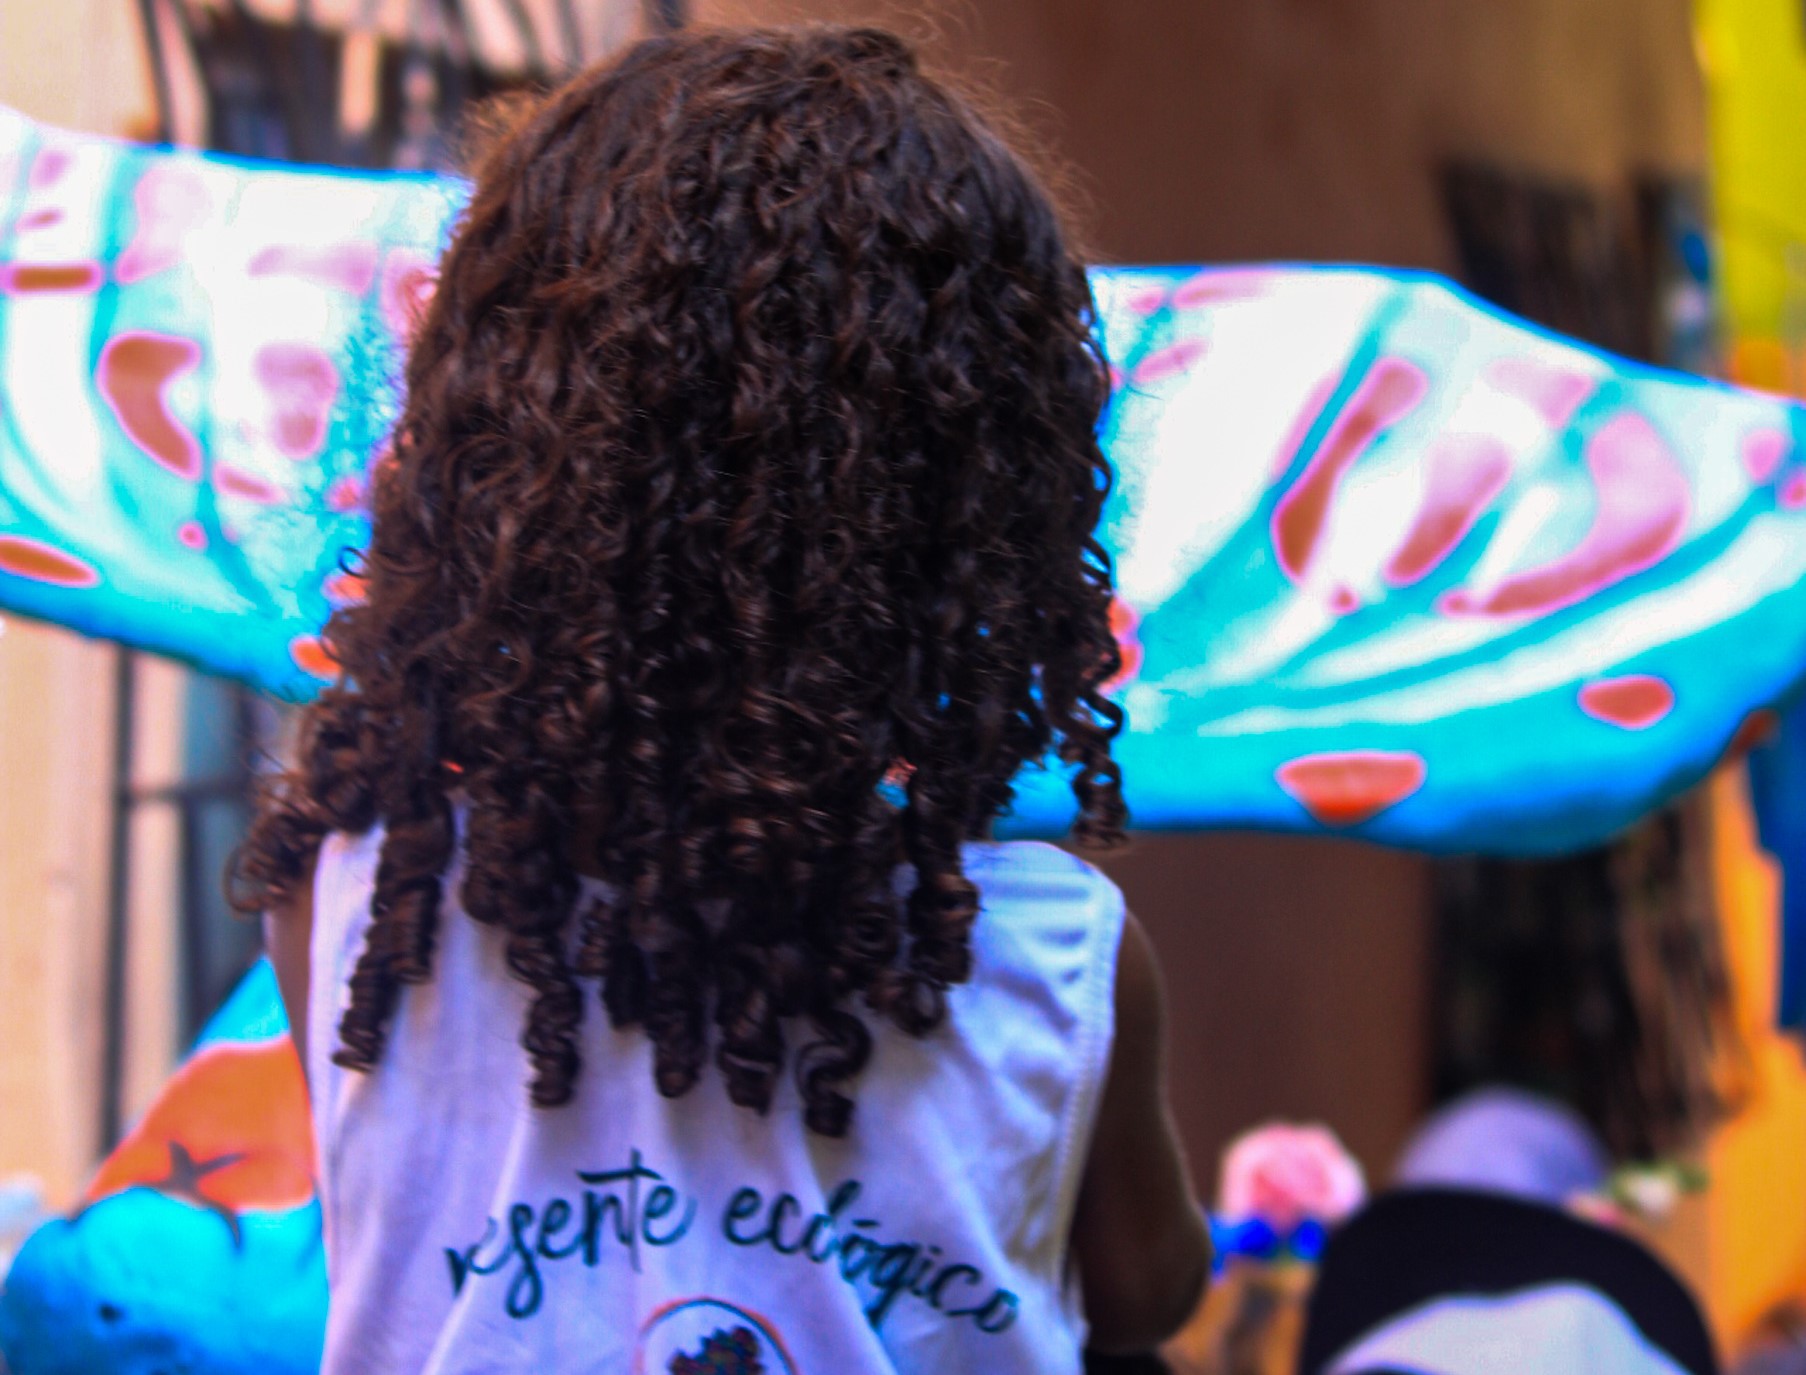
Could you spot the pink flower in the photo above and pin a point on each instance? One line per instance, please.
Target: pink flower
(1284, 1174)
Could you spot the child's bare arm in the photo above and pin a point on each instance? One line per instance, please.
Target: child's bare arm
(1142, 1246)
(287, 934)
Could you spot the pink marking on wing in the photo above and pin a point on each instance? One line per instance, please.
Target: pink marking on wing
(1146, 300)
(343, 589)
(1643, 501)
(1636, 701)
(1344, 601)
(348, 267)
(1793, 491)
(48, 168)
(1347, 787)
(1308, 414)
(41, 219)
(191, 534)
(21, 279)
(171, 202)
(1463, 473)
(302, 383)
(346, 494)
(1555, 392)
(30, 558)
(409, 279)
(1214, 286)
(1125, 624)
(1169, 361)
(238, 483)
(1763, 453)
(1386, 395)
(133, 378)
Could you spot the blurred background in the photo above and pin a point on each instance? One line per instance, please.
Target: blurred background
(1556, 157)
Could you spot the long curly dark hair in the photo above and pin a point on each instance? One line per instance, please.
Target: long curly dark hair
(748, 460)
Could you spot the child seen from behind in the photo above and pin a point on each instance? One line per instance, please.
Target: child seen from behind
(665, 1003)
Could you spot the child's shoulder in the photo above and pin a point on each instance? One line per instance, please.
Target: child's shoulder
(1036, 868)
(1037, 856)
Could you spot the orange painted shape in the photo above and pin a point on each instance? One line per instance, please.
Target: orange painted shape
(311, 656)
(342, 589)
(1123, 625)
(30, 558)
(1392, 389)
(134, 375)
(239, 1111)
(26, 278)
(1347, 787)
(1635, 702)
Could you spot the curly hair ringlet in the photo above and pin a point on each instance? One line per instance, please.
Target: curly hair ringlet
(748, 458)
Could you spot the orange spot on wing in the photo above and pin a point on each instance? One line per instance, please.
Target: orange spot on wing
(342, 589)
(311, 656)
(1124, 624)
(134, 376)
(1635, 701)
(1347, 787)
(1391, 391)
(24, 278)
(242, 1104)
(30, 558)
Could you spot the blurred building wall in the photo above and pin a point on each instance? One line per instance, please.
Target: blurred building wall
(73, 63)
(1240, 129)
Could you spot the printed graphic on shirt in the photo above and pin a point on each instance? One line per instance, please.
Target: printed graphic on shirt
(618, 1216)
(705, 1336)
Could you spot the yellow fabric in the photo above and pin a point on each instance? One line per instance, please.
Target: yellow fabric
(1754, 56)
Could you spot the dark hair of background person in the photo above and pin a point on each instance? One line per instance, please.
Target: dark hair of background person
(748, 460)
(1599, 979)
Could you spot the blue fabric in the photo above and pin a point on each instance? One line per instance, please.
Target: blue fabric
(1778, 789)
(1391, 563)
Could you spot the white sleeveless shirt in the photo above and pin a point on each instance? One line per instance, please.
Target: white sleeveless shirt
(467, 1231)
